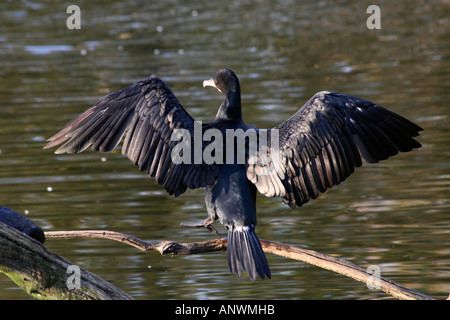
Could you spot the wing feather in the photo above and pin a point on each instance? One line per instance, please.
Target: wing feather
(146, 113)
(322, 144)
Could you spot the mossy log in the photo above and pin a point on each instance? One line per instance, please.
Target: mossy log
(44, 274)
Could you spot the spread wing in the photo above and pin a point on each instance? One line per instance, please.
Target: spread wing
(147, 114)
(320, 146)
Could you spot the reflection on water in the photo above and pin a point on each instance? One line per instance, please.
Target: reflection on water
(393, 214)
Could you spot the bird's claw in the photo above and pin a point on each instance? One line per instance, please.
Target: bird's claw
(202, 224)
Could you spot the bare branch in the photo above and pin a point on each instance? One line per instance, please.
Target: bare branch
(308, 256)
(343, 267)
(163, 247)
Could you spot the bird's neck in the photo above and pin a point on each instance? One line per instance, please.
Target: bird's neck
(230, 109)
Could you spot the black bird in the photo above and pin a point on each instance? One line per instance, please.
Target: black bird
(318, 147)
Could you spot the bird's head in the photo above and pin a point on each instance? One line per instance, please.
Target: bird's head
(225, 81)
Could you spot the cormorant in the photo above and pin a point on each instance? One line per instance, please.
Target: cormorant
(318, 147)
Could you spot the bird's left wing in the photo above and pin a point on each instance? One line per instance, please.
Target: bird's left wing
(147, 113)
(320, 145)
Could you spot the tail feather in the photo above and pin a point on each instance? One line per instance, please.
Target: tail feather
(245, 253)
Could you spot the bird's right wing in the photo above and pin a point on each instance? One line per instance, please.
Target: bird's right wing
(320, 145)
(147, 113)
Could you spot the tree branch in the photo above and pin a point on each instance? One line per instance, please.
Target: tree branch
(308, 256)
(345, 268)
(163, 247)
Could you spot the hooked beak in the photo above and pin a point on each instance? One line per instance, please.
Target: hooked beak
(209, 83)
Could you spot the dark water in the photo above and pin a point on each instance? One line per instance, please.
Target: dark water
(394, 215)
